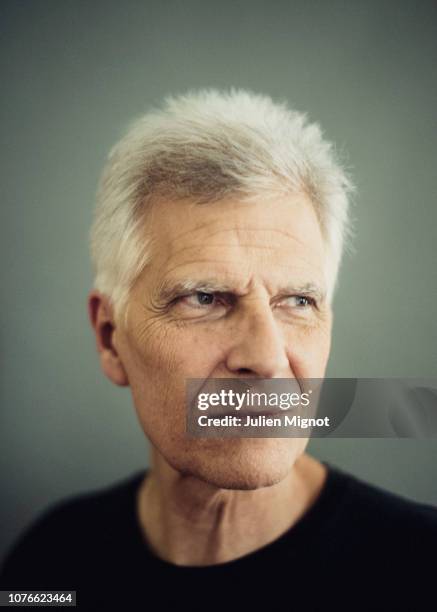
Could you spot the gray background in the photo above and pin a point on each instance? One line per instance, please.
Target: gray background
(73, 74)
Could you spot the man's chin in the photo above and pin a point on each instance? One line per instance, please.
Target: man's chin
(250, 480)
(247, 465)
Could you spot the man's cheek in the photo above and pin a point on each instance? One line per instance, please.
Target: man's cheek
(156, 352)
(201, 351)
(162, 409)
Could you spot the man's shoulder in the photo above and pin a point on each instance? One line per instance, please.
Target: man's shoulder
(377, 543)
(81, 510)
(375, 510)
(65, 531)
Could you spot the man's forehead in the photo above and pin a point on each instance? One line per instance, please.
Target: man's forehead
(246, 245)
(232, 264)
(231, 235)
(234, 249)
(189, 223)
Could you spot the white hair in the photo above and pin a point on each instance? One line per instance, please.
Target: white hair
(208, 145)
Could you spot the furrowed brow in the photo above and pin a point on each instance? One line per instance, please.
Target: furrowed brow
(306, 289)
(169, 290)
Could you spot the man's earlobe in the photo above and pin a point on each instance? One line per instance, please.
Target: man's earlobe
(103, 322)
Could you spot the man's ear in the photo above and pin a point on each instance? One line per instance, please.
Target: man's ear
(102, 320)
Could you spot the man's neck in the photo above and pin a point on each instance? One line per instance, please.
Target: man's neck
(189, 522)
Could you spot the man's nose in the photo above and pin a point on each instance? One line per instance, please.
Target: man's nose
(259, 346)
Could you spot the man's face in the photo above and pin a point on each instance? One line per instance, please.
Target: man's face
(257, 309)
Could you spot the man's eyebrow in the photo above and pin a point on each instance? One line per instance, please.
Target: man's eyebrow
(169, 290)
(306, 289)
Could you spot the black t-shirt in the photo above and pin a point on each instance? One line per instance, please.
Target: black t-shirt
(357, 548)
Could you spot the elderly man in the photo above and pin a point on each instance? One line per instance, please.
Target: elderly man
(218, 235)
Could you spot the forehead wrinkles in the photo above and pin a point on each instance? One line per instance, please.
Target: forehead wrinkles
(238, 273)
(236, 237)
(242, 265)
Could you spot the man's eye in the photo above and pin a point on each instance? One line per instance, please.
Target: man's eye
(199, 299)
(300, 301)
